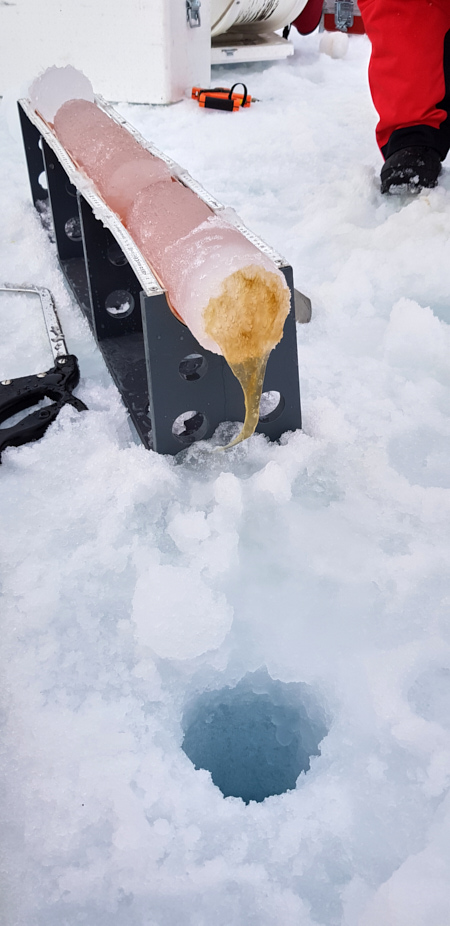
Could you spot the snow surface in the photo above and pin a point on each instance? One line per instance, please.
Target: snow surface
(133, 583)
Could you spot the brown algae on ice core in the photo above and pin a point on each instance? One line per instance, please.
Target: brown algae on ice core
(246, 320)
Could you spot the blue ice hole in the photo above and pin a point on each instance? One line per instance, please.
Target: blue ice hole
(256, 738)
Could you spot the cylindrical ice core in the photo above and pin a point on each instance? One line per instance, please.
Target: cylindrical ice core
(162, 215)
(122, 187)
(231, 295)
(195, 270)
(192, 251)
(95, 142)
(209, 269)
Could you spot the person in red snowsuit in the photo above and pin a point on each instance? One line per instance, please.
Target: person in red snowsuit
(409, 77)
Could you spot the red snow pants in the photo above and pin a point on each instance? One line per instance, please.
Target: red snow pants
(409, 72)
(309, 18)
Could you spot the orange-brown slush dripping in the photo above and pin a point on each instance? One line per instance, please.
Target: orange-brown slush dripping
(246, 321)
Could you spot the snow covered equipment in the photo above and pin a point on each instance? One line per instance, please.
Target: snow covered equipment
(223, 98)
(56, 384)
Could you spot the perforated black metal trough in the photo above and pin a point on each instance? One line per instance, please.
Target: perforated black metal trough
(175, 391)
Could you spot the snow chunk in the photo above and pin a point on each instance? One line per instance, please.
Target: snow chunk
(415, 339)
(177, 615)
(334, 44)
(188, 529)
(228, 492)
(272, 479)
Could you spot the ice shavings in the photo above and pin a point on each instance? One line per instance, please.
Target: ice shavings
(176, 614)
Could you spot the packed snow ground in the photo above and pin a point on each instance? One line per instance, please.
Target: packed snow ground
(133, 583)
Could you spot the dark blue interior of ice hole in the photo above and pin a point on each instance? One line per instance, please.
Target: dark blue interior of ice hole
(256, 738)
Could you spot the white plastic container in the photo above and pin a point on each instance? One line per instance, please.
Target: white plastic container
(142, 51)
(153, 54)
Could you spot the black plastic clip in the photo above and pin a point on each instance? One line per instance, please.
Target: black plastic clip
(55, 384)
(25, 391)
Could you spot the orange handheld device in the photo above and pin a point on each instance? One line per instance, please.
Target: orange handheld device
(222, 98)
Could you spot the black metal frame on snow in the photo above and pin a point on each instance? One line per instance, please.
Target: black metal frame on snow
(158, 366)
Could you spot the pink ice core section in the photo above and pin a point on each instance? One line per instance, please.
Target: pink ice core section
(190, 249)
(95, 142)
(122, 187)
(162, 215)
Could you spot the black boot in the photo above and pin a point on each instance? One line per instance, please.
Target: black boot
(410, 169)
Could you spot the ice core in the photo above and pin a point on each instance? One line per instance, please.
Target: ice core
(231, 296)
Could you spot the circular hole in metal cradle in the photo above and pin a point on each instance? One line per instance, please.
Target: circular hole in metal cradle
(115, 255)
(72, 228)
(190, 426)
(256, 738)
(271, 405)
(70, 188)
(119, 304)
(42, 180)
(193, 367)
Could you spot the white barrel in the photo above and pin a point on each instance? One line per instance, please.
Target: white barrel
(267, 14)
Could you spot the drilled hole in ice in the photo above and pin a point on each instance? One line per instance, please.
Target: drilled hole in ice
(190, 426)
(271, 405)
(193, 367)
(256, 738)
(119, 303)
(72, 228)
